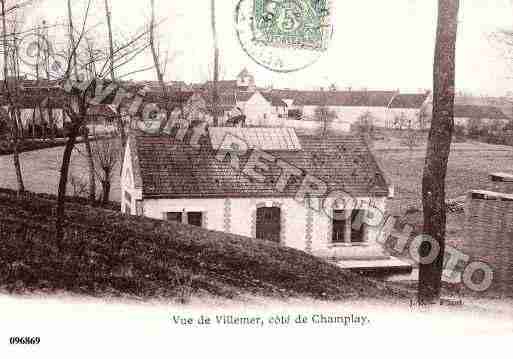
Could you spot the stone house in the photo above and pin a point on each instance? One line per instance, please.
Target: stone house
(166, 179)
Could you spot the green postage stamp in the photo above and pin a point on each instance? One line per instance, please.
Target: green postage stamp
(284, 35)
(292, 23)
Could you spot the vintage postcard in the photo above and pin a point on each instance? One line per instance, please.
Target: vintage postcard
(256, 178)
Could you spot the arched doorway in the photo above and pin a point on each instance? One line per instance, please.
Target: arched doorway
(268, 223)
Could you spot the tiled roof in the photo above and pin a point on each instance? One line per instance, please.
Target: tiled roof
(223, 85)
(413, 101)
(274, 100)
(178, 97)
(270, 97)
(244, 95)
(171, 169)
(337, 98)
(276, 138)
(286, 94)
(226, 102)
(479, 112)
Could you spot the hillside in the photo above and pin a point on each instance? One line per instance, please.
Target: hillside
(107, 253)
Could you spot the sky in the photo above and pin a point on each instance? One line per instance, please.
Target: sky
(376, 44)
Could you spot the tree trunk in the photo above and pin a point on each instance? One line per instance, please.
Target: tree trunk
(160, 74)
(111, 45)
(438, 148)
(63, 183)
(17, 163)
(122, 134)
(106, 191)
(90, 164)
(215, 94)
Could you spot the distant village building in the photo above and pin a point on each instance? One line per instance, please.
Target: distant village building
(409, 111)
(170, 180)
(262, 108)
(349, 106)
(41, 104)
(246, 81)
(486, 115)
(102, 118)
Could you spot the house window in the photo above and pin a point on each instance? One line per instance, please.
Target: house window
(347, 231)
(268, 223)
(174, 216)
(195, 218)
(357, 232)
(339, 227)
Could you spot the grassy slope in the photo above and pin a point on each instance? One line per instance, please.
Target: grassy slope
(146, 258)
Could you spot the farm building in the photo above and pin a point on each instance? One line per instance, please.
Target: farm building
(463, 114)
(262, 108)
(408, 111)
(349, 105)
(290, 194)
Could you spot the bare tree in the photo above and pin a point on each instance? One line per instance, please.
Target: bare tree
(75, 107)
(165, 100)
(107, 153)
(438, 149)
(10, 86)
(215, 89)
(83, 86)
(119, 56)
(84, 129)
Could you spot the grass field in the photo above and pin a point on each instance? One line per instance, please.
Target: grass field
(470, 164)
(41, 171)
